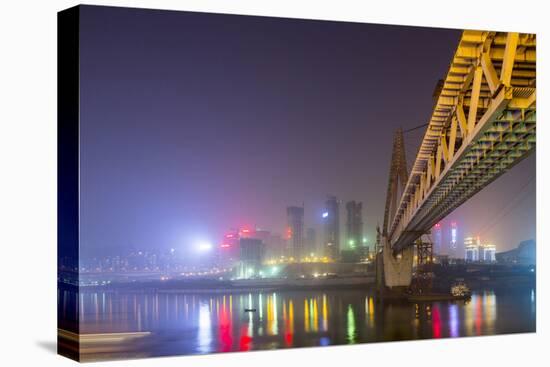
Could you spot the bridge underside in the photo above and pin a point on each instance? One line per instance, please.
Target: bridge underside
(483, 123)
(504, 141)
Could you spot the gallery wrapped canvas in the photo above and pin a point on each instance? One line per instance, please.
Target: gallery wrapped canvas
(233, 183)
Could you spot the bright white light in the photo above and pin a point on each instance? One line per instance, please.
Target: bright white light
(204, 246)
(325, 214)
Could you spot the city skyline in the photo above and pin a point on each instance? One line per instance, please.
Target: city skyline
(174, 154)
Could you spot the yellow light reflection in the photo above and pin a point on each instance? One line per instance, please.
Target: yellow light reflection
(306, 316)
(325, 313)
(314, 315)
(371, 309)
(490, 310)
(272, 315)
(291, 316)
(275, 327)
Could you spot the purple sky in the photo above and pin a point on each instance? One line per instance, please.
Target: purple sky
(193, 123)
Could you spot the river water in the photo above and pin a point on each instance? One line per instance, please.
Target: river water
(185, 323)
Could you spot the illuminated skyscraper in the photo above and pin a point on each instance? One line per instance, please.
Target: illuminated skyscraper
(295, 231)
(247, 232)
(488, 252)
(472, 245)
(477, 251)
(354, 224)
(251, 255)
(438, 239)
(453, 248)
(229, 248)
(331, 224)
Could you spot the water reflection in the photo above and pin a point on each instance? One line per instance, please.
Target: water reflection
(204, 336)
(325, 313)
(533, 302)
(351, 325)
(481, 313)
(453, 320)
(201, 323)
(436, 322)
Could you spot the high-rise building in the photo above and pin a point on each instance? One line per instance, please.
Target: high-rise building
(247, 232)
(311, 242)
(331, 224)
(295, 232)
(229, 249)
(477, 251)
(438, 239)
(273, 243)
(471, 246)
(488, 252)
(354, 224)
(453, 248)
(251, 256)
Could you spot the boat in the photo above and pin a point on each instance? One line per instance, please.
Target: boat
(249, 310)
(460, 290)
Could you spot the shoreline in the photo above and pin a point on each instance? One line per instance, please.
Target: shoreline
(359, 283)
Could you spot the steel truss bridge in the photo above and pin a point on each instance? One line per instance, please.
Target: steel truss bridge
(483, 123)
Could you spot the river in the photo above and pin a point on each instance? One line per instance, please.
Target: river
(172, 323)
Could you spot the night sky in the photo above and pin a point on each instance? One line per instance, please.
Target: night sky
(194, 123)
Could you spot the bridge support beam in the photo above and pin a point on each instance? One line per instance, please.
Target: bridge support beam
(394, 272)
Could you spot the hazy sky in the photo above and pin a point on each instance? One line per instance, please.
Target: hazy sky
(194, 123)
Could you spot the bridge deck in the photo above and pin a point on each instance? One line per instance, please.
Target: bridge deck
(482, 124)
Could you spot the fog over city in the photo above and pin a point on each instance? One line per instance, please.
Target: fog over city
(193, 125)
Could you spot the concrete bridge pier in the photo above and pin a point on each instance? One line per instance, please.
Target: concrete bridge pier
(393, 273)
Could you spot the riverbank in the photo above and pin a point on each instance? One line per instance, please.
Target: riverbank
(475, 276)
(241, 285)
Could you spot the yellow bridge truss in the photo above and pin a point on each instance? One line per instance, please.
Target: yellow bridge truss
(482, 124)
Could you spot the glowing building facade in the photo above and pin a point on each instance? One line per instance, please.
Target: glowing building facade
(331, 225)
(471, 246)
(453, 244)
(295, 232)
(229, 249)
(475, 251)
(354, 224)
(251, 256)
(438, 239)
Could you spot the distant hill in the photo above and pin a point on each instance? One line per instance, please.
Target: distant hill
(525, 254)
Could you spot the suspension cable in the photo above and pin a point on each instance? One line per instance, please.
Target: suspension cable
(416, 127)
